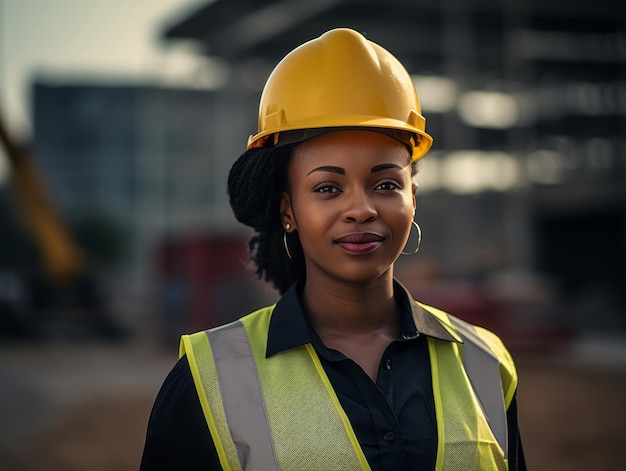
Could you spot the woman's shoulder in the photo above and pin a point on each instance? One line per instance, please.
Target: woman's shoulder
(177, 435)
(179, 381)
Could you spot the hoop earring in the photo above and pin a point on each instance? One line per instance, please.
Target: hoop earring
(419, 239)
(287, 227)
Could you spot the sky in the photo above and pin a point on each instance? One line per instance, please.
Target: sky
(103, 39)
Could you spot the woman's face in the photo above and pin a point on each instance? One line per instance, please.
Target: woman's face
(351, 200)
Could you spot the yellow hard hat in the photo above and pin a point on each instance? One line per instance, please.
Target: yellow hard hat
(340, 80)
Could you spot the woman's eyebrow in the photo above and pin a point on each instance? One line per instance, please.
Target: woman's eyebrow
(381, 167)
(341, 171)
(328, 168)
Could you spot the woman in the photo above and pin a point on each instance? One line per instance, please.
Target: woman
(346, 371)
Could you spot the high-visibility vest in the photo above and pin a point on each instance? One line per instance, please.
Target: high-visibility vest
(282, 413)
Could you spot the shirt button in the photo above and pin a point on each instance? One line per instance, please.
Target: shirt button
(389, 437)
(388, 365)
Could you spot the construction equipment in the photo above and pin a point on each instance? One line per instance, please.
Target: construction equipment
(64, 290)
(62, 258)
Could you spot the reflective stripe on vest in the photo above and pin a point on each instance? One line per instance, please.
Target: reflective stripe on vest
(483, 371)
(243, 401)
(263, 414)
(473, 386)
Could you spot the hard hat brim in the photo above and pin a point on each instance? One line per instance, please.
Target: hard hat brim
(421, 144)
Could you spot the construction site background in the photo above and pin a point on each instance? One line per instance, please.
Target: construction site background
(116, 235)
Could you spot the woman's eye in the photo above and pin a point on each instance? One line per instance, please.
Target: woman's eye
(389, 185)
(326, 188)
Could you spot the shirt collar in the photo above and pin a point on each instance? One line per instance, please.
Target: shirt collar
(290, 328)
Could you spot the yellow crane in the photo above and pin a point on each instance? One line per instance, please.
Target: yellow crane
(64, 263)
(62, 259)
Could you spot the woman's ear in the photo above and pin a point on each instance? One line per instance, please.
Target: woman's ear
(414, 190)
(286, 212)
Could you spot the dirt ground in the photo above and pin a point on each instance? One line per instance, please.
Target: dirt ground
(571, 416)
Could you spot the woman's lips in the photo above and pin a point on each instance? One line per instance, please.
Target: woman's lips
(360, 242)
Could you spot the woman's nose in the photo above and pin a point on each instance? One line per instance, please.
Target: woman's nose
(359, 207)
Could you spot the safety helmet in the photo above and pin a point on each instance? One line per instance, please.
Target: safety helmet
(340, 80)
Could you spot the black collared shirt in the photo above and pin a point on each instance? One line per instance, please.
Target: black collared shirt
(393, 419)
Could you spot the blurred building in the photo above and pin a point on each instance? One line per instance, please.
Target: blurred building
(145, 167)
(523, 193)
(143, 157)
(526, 101)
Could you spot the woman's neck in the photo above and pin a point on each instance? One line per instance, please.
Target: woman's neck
(345, 309)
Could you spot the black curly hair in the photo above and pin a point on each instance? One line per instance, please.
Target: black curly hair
(255, 185)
